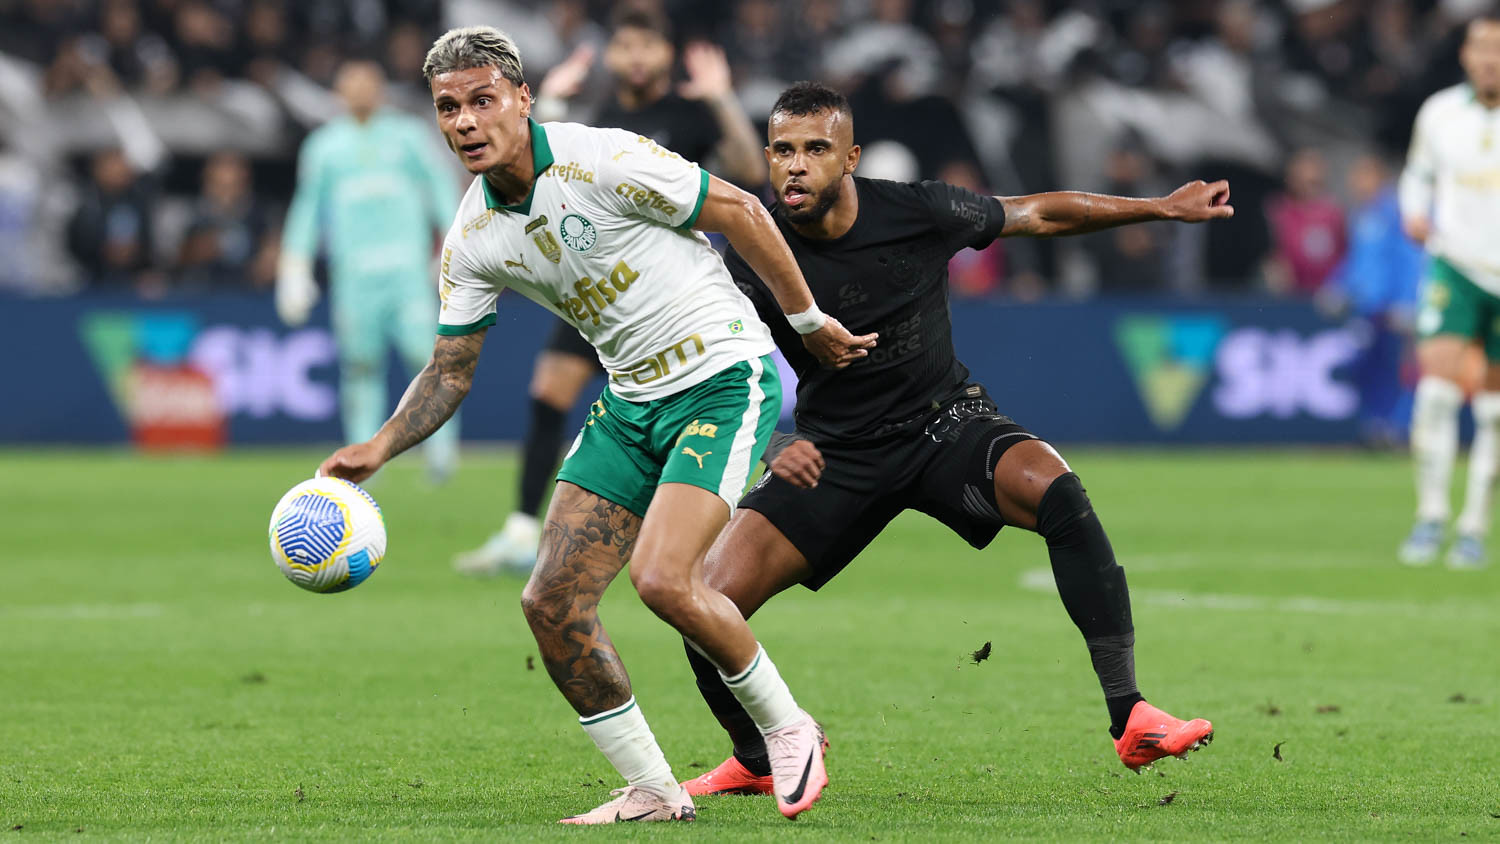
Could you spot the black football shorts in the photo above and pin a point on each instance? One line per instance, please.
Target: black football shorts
(566, 340)
(943, 467)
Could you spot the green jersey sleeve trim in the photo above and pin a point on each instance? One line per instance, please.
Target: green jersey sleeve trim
(459, 330)
(697, 209)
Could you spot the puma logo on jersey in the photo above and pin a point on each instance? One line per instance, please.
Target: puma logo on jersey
(519, 263)
(619, 155)
(695, 455)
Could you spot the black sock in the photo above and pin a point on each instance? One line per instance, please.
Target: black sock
(749, 746)
(543, 440)
(1119, 711)
(1092, 588)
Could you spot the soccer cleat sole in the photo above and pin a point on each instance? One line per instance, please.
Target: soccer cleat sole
(1201, 743)
(1208, 738)
(743, 791)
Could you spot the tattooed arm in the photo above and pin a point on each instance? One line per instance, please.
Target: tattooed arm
(429, 401)
(1074, 212)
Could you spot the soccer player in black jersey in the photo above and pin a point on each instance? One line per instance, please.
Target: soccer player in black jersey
(905, 428)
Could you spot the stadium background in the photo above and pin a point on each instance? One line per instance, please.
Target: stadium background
(147, 153)
(159, 679)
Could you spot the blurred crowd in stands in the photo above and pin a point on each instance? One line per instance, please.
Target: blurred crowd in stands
(151, 144)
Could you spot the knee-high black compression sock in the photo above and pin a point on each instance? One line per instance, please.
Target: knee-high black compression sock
(749, 746)
(1092, 588)
(543, 439)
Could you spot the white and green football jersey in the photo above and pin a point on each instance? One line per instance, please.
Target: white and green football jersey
(605, 241)
(1452, 177)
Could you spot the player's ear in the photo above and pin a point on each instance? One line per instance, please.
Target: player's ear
(767, 151)
(852, 160)
(525, 99)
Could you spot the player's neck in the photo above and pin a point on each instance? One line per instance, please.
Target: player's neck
(512, 180)
(632, 99)
(1488, 99)
(839, 219)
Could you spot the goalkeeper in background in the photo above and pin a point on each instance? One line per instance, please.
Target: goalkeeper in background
(373, 188)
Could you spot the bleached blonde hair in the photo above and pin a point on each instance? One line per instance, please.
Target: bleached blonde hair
(474, 46)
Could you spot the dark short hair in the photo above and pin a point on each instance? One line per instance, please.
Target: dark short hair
(628, 18)
(810, 98)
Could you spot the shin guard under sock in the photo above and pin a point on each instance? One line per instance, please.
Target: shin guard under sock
(749, 746)
(1093, 590)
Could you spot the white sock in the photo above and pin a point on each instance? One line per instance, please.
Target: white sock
(763, 693)
(1484, 456)
(625, 739)
(1434, 444)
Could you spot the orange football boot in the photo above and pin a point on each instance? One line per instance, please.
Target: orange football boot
(729, 778)
(733, 778)
(1151, 734)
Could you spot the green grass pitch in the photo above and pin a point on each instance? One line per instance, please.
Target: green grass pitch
(160, 679)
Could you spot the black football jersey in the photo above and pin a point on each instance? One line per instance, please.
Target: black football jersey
(686, 127)
(887, 274)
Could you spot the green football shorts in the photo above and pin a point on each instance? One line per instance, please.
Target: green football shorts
(709, 435)
(1452, 304)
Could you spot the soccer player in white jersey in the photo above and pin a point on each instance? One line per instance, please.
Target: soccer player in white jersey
(600, 227)
(1450, 201)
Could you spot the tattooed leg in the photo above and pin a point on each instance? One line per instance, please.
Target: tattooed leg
(585, 542)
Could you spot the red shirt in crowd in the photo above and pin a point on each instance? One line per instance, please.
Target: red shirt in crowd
(1310, 238)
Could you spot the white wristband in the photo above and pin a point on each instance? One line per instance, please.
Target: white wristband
(808, 321)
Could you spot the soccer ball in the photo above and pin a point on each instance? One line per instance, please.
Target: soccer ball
(327, 535)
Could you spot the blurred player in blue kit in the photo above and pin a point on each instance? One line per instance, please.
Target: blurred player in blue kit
(1377, 284)
(372, 188)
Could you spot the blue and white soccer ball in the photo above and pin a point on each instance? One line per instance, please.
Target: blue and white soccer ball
(327, 535)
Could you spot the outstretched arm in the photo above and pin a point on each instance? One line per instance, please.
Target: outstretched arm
(1075, 212)
(429, 401)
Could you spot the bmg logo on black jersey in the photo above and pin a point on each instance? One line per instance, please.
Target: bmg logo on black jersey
(972, 212)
